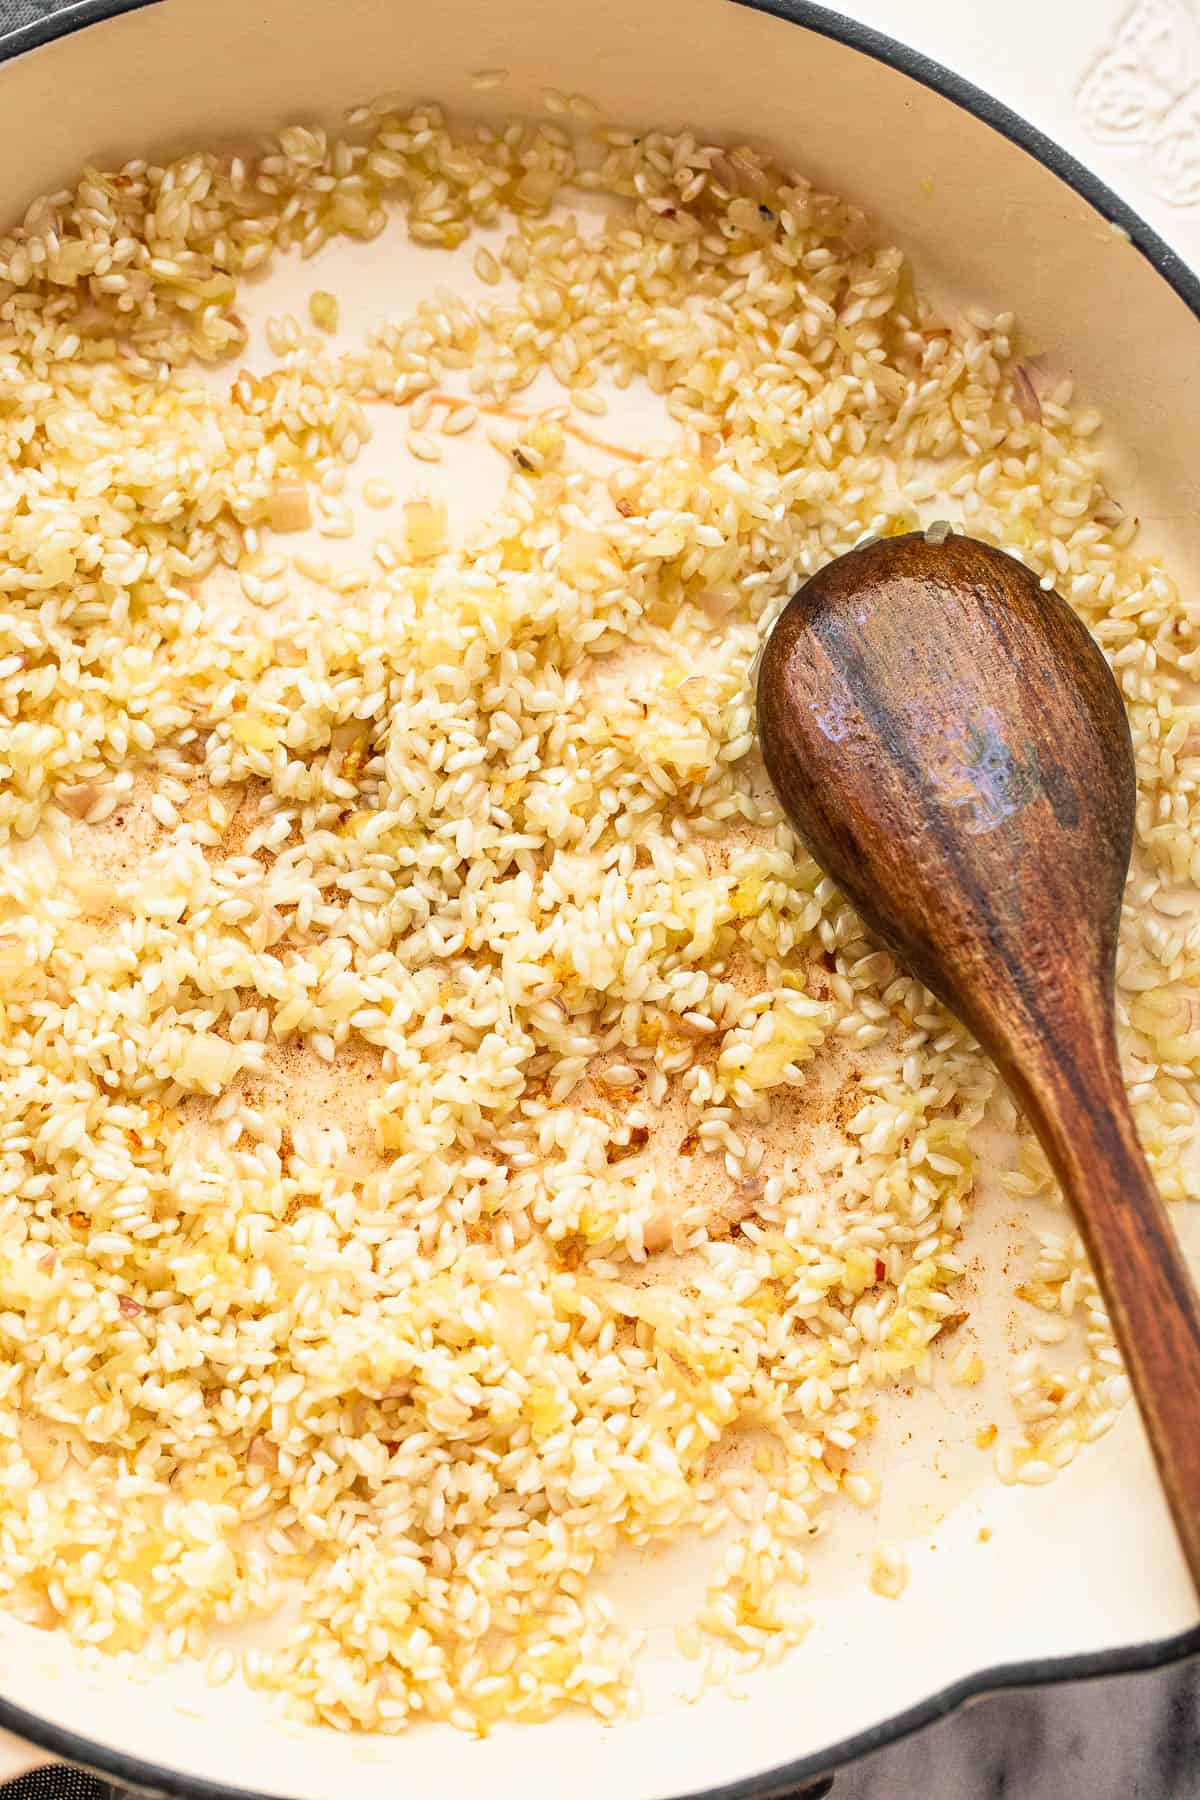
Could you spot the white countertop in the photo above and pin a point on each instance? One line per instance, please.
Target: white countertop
(1115, 82)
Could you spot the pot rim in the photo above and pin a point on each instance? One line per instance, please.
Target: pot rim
(1033, 1672)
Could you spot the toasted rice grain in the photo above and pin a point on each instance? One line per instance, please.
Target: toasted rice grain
(370, 970)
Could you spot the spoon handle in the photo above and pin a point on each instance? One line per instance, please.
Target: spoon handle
(1078, 1104)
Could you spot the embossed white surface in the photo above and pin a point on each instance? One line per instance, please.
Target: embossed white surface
(1142, 93)
(1115, 82)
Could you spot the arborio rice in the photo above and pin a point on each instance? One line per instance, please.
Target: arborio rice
(450, 1130)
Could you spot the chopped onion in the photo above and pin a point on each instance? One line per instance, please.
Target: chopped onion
(1025, 395)
(514, 1321)
(654, 1306)
(424, 529)
(208, 1062)
(288, 508)
(79, 799)
(323, 310)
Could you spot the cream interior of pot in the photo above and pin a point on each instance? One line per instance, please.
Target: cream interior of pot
(998, 1574)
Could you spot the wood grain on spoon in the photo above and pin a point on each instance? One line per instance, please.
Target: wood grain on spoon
(949, 742)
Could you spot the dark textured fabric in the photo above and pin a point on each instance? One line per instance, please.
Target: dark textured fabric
(59, 1784)
(15, 13)
(27, 24)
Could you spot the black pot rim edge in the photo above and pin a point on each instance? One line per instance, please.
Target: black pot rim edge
(1128, 1659)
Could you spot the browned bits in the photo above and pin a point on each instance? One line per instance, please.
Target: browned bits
(79, 799)
(638, 1138)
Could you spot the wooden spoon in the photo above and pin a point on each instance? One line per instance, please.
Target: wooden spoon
(948, 741)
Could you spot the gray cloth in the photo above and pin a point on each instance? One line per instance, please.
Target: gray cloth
(26, 23)
(15, 13)
(61, 1784)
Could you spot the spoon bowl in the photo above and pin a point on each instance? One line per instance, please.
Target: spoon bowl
(948, 740)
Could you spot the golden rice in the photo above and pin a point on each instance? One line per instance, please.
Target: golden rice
(378, 942)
